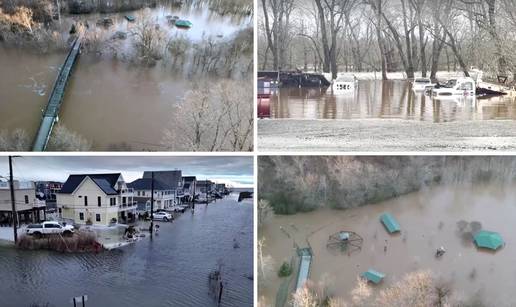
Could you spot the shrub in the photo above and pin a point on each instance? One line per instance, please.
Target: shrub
(285, 270)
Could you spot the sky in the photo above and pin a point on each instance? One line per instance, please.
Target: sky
(234, 171)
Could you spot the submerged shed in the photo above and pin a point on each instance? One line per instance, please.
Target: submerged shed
(488, 239)
(373, 276)
(183, 24)
(390, 223)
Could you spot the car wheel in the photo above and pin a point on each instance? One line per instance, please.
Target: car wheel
(165, 219)
(67, 233)
(37, 235)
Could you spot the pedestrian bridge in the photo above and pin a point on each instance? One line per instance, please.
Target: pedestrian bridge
(55, 100)
(305, 255)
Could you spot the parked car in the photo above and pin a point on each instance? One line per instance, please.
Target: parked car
(177, 208)
(48, 228)
(162, 216)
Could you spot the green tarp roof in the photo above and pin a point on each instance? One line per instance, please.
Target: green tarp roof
(372, 275)
(488, 239)
(183, 23)
(390, 223)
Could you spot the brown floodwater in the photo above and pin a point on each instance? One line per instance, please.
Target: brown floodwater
(26, 81)
(428, 219)
(113, 103)
(385, 99)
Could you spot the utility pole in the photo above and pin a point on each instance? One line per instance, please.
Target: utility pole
(193, 198)
(152, 205)
(13, 202)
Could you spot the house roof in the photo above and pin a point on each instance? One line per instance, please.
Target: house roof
(189, 178)
(488, 239)
(390, 223)
(169, 179)
(106, 182)
(145, 184)
(372, 275)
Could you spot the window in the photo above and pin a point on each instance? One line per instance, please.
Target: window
(143, 193)
(112, 201)
(81, 216)
(99, 201)
(97, 217)
(138, 193)
(124, 200)
(85, 201)
(26, 199)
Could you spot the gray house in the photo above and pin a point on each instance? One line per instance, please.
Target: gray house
(169, 180)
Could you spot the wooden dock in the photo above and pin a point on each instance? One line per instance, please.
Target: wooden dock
(51, 114)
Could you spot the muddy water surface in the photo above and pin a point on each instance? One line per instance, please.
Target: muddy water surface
(386, 99)
(26, 80)
(429, 219)
(114, 104)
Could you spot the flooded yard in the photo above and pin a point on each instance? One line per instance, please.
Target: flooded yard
(108, 91)
(386, 100)
(436, 216)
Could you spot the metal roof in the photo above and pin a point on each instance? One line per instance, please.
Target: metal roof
(390, 223)
(488, 239)
(372, 275)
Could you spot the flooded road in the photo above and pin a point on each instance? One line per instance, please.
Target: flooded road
(429, 219)
(385, 99)
(134, 103)
(170, 270)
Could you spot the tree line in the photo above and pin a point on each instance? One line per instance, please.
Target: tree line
(388, 35)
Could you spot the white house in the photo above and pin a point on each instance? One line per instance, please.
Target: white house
(97, 199)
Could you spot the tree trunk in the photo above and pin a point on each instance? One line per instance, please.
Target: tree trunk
(324, 37)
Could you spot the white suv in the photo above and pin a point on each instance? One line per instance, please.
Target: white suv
(48, 228)
(163, 216)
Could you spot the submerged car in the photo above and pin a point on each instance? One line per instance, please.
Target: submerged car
(462, 87)
(421, 84)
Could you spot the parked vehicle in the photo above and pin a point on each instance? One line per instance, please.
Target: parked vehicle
(455, 87)
(421, 84)
(162, 216)
(48, 228)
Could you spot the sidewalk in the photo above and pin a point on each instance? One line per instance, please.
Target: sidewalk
(7, 235)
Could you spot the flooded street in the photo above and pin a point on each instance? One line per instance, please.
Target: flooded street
(429, 219)
(385, 100)
(135, 103)
(170, 270)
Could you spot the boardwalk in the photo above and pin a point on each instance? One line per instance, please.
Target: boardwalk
(304, 267)
(55, 100)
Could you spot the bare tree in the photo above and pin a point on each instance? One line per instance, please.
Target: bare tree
(214, 116)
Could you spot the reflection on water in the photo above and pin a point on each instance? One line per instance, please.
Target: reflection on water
(386, 99)
(429, 219)
(170, 270)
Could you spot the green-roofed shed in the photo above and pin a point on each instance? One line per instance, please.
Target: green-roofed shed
(373, 276)
(488, 239)
(181, 23)
(390, 223)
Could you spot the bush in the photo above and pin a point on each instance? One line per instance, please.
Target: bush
(285, 270)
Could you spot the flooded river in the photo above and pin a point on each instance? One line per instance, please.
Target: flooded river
(429, 219)
(113, 103)
(170, 270)
(385, 99)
